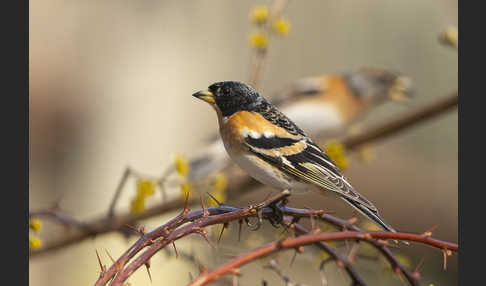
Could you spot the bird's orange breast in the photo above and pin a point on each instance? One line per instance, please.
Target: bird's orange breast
(233, 129)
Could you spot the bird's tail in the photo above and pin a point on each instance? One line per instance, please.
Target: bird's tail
(370, 214)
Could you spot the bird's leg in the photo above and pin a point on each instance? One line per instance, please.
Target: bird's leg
(276, 217)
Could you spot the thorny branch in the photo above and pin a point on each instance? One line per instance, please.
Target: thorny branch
(341, 261)
(187, 223)
(167, 233)
(292, 243)
(239, 183)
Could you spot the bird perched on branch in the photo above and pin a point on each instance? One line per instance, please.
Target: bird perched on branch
(274, 150)
(322, 105)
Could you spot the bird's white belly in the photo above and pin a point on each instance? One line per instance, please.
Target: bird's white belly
(261, 171)
(267, 175)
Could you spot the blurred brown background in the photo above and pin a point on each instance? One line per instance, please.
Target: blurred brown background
(110, 86)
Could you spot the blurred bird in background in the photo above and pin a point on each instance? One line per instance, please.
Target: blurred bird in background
(324, 106)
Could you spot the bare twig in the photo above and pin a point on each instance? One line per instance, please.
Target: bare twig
(259, 58)
(118, 191)
(58, 216)
(408, 120)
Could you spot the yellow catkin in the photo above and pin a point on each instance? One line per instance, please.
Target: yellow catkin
(137, 205)
(450, 36)
(337, 153)
(259, 14)
(35, 224)
(369, 226)
(145, 188)
(181, 165)
(35, 242)
(258, 40)
(187, 189)
(404, 260)
(281, 26)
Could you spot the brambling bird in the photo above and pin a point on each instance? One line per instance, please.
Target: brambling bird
(337, 101)
(274, 150)
(325, 106)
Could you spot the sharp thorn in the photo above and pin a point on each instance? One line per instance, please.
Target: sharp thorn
(147, 266)
(112, 260)
(225, 225)
(214, 199)
(175, 249)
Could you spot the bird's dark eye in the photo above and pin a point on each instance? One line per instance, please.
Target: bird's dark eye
(311, 91)
(226, 91)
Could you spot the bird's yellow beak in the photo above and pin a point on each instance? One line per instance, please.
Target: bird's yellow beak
(402, 89)
(205, 95)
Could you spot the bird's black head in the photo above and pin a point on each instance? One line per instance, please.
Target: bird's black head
(231, 96)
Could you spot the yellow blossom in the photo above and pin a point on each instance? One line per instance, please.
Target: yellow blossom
(449, 36)
(404, 260)
(337, 153)
(324, 255)
(369, 226)
(281, 26)
(35, 224)
(145, 187)
(181, 165)
(259, 14)
(137, 206)
(35, 242)
(259, 40)
(187, 189)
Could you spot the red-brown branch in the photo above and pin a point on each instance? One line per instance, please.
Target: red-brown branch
(149, 244)
(169, 232)
(394, 262)
(428, 111)
(291, 243)
(300, 230)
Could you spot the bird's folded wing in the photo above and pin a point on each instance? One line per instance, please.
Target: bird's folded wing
(306, 161)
